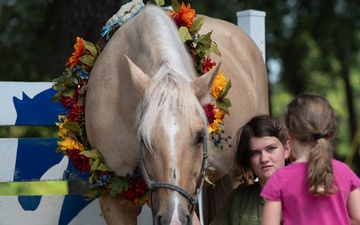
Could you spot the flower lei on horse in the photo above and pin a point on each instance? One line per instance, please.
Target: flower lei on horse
(72, 87)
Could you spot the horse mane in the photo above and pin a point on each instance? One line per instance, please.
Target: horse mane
(170, 90)
(163, 36)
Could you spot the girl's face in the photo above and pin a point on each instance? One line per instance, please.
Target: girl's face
(266, 155)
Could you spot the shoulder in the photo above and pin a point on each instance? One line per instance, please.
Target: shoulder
(344, 174)
(242, 190)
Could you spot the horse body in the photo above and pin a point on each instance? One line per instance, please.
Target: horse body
(143, 87)
(243, 64)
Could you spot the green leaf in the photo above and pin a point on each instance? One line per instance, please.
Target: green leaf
(159, 2)
(73, 126)
(184, 34)
(58, 150)
(142, 198)
(94, 193)
(95, 164)
(224, 105)
(91, 47)
(104, 167)
(214, 49)
(57, 96)
(196, 25)
(211, 168)
(224, 92)
(94, 154)
(117, 185)
(175, 5)
(88, 60)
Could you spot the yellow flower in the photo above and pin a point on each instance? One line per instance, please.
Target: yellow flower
(63, 132)
(218, 85)
(69, 144)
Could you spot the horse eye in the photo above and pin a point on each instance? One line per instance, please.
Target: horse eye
(199, 139)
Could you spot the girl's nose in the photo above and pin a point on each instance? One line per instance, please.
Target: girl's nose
(264, 157)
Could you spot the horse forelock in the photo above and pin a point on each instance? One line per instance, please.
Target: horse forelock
(168, 94)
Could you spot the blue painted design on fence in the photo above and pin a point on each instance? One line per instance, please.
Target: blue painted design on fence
(68, 211)
(41, 151)
(29, 202)
(39, 110)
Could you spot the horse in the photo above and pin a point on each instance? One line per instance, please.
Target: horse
(144, 107)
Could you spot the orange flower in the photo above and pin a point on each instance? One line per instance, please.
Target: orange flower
(184, 16)
(79, 50)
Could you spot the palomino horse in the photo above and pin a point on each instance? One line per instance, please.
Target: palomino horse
(144, 91)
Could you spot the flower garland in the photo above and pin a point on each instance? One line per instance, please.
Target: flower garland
(72, 87)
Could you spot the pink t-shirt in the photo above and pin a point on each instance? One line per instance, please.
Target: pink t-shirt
(288, 185)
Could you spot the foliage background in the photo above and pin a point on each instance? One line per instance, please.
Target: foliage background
(311, 46)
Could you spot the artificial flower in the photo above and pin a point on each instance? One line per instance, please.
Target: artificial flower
(68, 101)
(70, 144)
(79, 161)
(219, 84)
(75, 112)
(63, 132)
(208, 65)
(79, 51)
(136, 189)
(184, 16)
(210, 112)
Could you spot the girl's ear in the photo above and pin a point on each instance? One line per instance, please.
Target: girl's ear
(287, 148)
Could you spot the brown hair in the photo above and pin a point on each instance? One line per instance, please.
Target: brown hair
(310, 119)
(258, 126)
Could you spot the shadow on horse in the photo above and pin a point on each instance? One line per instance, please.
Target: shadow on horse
(145, 102)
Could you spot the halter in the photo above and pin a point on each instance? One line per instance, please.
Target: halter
(154, 184)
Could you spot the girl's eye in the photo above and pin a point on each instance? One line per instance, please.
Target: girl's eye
(271, 149)
(254, 153)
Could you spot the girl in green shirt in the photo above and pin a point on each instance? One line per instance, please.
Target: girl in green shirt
(262, 147)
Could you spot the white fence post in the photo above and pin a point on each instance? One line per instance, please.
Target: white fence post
(253, 23)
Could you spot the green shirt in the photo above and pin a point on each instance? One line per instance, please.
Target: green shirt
(243, 206)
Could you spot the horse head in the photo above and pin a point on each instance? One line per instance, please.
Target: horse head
(173, 137)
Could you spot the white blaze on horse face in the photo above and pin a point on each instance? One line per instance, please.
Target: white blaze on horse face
(172, 128)
(175, 215)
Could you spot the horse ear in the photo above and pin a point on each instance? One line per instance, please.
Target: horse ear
(203, 84)
(140, 79)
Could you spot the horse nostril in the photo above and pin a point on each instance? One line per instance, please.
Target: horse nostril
(158, 220)
(188, 220)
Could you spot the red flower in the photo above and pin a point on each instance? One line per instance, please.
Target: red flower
(79, 161)
(210, 112)
(136, 189)
(75, 112)
(68, 101)
(207, 65)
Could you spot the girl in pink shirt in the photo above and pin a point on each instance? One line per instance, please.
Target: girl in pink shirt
(315, 189)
